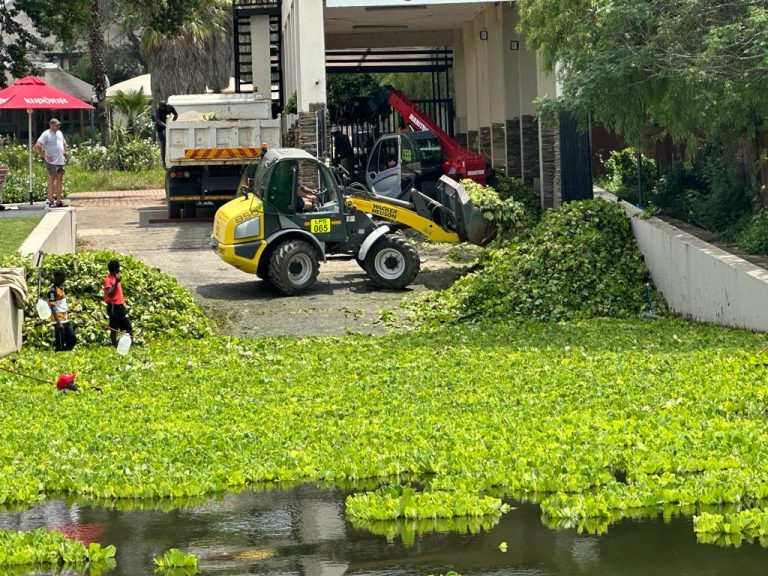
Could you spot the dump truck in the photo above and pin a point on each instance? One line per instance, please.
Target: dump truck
(209, 146)
(268, 231)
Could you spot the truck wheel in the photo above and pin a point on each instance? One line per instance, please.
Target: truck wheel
(392, 262)
(293, 267)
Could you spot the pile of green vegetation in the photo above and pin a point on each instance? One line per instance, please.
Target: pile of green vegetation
(580, 261)
(157, 304)
(595, 419)
(509, 215)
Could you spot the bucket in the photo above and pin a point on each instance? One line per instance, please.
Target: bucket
(124, 344)
(43, 309)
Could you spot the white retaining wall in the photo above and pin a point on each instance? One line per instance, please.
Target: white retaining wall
(699, 280)
(55, 234)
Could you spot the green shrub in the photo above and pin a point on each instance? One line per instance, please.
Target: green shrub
(16, 189)
(728, 196)
(91, 158)
(580, 261)
(753, 237)
(621, 175)
(676, 191)
(134, 155)
(509, 187)
(157, 304)
(13, 154)
(175, 558)
(43, 546)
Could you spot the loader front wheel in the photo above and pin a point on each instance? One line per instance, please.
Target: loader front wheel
(293, 267)
(392, 262)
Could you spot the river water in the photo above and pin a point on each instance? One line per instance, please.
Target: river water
(302, 531)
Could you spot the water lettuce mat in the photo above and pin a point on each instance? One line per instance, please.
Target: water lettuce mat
(596, 419)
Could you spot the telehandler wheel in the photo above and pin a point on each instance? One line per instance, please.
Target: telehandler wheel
(293, 267)
(392, 262)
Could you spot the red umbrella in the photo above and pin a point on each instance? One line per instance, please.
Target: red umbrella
(31, 93)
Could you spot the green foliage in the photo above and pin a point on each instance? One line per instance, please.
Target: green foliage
(509, 215)
(678, 187)
(15, 231)
(175, 558)
(408, 530)
(14, 154)
(395, 502)
(509, 187)
(649, 69)
(131, 106)
(290, 105)
(732, 529)
(129, 155)
(16, 189)
(43, 546)
(580, 261)
(158, 306)
(342, 88)
(753, 237)
(621, 174)
(619, 413)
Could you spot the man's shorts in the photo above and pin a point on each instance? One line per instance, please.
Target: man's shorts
(54, 169)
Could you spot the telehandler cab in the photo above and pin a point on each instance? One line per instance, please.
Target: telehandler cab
(266, 230)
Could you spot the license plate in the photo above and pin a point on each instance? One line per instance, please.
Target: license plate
(320, 225)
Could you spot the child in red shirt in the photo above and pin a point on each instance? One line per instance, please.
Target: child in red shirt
(113, 296)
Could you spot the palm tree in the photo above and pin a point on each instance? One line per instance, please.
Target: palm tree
(131, 105)
(100, 81)
(198, 57)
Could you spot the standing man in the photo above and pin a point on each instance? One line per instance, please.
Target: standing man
(52, 147)
(159, 117)
(63, 332)
(115, 301)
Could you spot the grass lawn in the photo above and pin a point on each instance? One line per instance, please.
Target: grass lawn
(79, 180)
(594, 419)
(14, 232)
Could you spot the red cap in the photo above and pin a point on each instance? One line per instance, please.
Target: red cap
(66, 381)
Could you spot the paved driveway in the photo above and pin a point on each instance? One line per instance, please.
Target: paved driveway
(343, 300)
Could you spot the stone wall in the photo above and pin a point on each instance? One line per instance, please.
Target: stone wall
(514, 169)
(499, 143)
(472, 140)
(548, 138)
(530, 128)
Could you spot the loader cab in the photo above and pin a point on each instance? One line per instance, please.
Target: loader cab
(399, 162)
(276, 180)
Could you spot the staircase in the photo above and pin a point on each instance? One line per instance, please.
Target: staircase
(242, 11)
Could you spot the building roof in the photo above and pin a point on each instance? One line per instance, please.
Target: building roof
(68, 83)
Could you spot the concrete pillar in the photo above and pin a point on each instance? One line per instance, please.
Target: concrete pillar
(460, 88)
(262, 76)
(470, 67)
(481, 35)
(305, 58)
(511, 50)
(497, 85)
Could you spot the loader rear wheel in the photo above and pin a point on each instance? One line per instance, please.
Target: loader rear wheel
(392, 262)
(293, 267)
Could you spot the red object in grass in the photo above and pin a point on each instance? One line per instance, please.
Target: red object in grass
(85, 533)
(66, 382)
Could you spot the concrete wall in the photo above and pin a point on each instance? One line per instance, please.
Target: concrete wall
(699, 280)
(55, 234)
(11, 319)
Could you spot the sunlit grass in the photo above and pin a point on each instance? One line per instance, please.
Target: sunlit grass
(14, 232)
(79, 180)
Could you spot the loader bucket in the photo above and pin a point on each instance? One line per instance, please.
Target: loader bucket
(467, 221)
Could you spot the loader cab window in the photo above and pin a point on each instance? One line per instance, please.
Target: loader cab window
(317, 177)
(253, 178)
(386, 154)
(279, 189)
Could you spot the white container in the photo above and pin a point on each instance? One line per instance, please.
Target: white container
(43, 309)
(124, 344)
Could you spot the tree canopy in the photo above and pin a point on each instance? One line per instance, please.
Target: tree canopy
(646, 69)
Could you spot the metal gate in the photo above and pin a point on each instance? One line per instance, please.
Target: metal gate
(575, 159)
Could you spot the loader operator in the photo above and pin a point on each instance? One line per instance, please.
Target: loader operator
(306, 199)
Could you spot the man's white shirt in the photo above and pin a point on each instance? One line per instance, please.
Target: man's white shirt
(53, 144)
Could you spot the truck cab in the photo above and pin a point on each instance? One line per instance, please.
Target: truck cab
(402, 161)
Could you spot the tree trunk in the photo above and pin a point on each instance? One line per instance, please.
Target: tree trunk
(96, 47)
